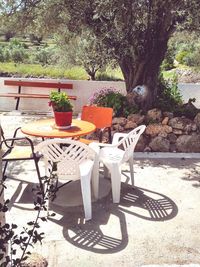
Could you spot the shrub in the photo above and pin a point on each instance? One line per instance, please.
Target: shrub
(111, 97)
(45, 56)
(103, 76)
(18, 54)
(168, 62)
(180, 57)
(169, 98)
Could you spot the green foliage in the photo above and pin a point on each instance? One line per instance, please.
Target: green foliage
(14, 51)
(180, 57)
(60, 102)
(83, 50)
(110, 97)
(36, 70)
(170, 97)
(103, 76)
(168, 62)
(45, 55)
(18, 54)
(171, 100)
(192, 59)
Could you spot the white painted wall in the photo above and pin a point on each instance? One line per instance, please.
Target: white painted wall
(82, 89)
(190, 90)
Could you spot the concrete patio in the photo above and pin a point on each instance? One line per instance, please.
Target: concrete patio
(156, 223)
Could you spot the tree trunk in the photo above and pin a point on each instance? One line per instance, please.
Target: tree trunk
(144, 70)
(91, 73)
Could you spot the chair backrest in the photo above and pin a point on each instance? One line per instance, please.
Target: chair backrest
(129, 142)
(67, 154)
(101, 117)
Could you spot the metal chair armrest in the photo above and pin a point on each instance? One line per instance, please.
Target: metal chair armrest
(12, 140)
(15, 132)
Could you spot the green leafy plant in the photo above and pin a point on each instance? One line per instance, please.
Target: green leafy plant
(60, 102)
(14, 244)
(110, 97)
(169, 98)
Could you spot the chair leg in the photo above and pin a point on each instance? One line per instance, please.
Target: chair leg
(109, 135)
(86, 195)
(95, 180)
(4, 169)
(116, 182)
(131, 170)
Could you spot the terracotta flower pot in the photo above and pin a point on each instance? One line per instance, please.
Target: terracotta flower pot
(63, 118)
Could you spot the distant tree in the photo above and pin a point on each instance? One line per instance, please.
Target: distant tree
(8, 35)
(35, 39)
(84, 50)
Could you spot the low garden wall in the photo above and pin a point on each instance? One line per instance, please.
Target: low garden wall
(164, 131)
(82, 89)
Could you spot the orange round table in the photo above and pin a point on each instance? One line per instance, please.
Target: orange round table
(46, 128)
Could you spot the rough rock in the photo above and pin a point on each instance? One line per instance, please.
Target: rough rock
(197, 120)
(118, 128)
(160, 144)
(155, 129)
(137, 118)
(183, 124)
(177, 132)
(147, 149)
(130, 125)
(172, 138)
(154, 114)
(141, 144)
(119, 120)
(34, 260)
(188, 143)
(165, 121)
(168, 114)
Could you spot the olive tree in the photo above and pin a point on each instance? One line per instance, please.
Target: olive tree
(135, 33)
(83, 50)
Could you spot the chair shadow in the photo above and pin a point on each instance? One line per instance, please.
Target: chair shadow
(24, 194)
(147, 204)
(98, 235)
(93, 235)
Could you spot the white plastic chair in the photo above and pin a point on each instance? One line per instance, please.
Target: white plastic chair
(74, 160)
(113, 155)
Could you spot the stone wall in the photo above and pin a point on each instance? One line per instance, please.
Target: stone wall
(164, 132)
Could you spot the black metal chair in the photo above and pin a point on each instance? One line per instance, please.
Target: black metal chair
(12, 151)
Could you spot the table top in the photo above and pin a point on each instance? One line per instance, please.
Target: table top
(46, 128)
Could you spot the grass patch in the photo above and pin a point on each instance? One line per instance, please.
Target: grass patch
(36, 70)
(169, 74)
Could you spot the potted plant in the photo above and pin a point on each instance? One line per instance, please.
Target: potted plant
(62, 108)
